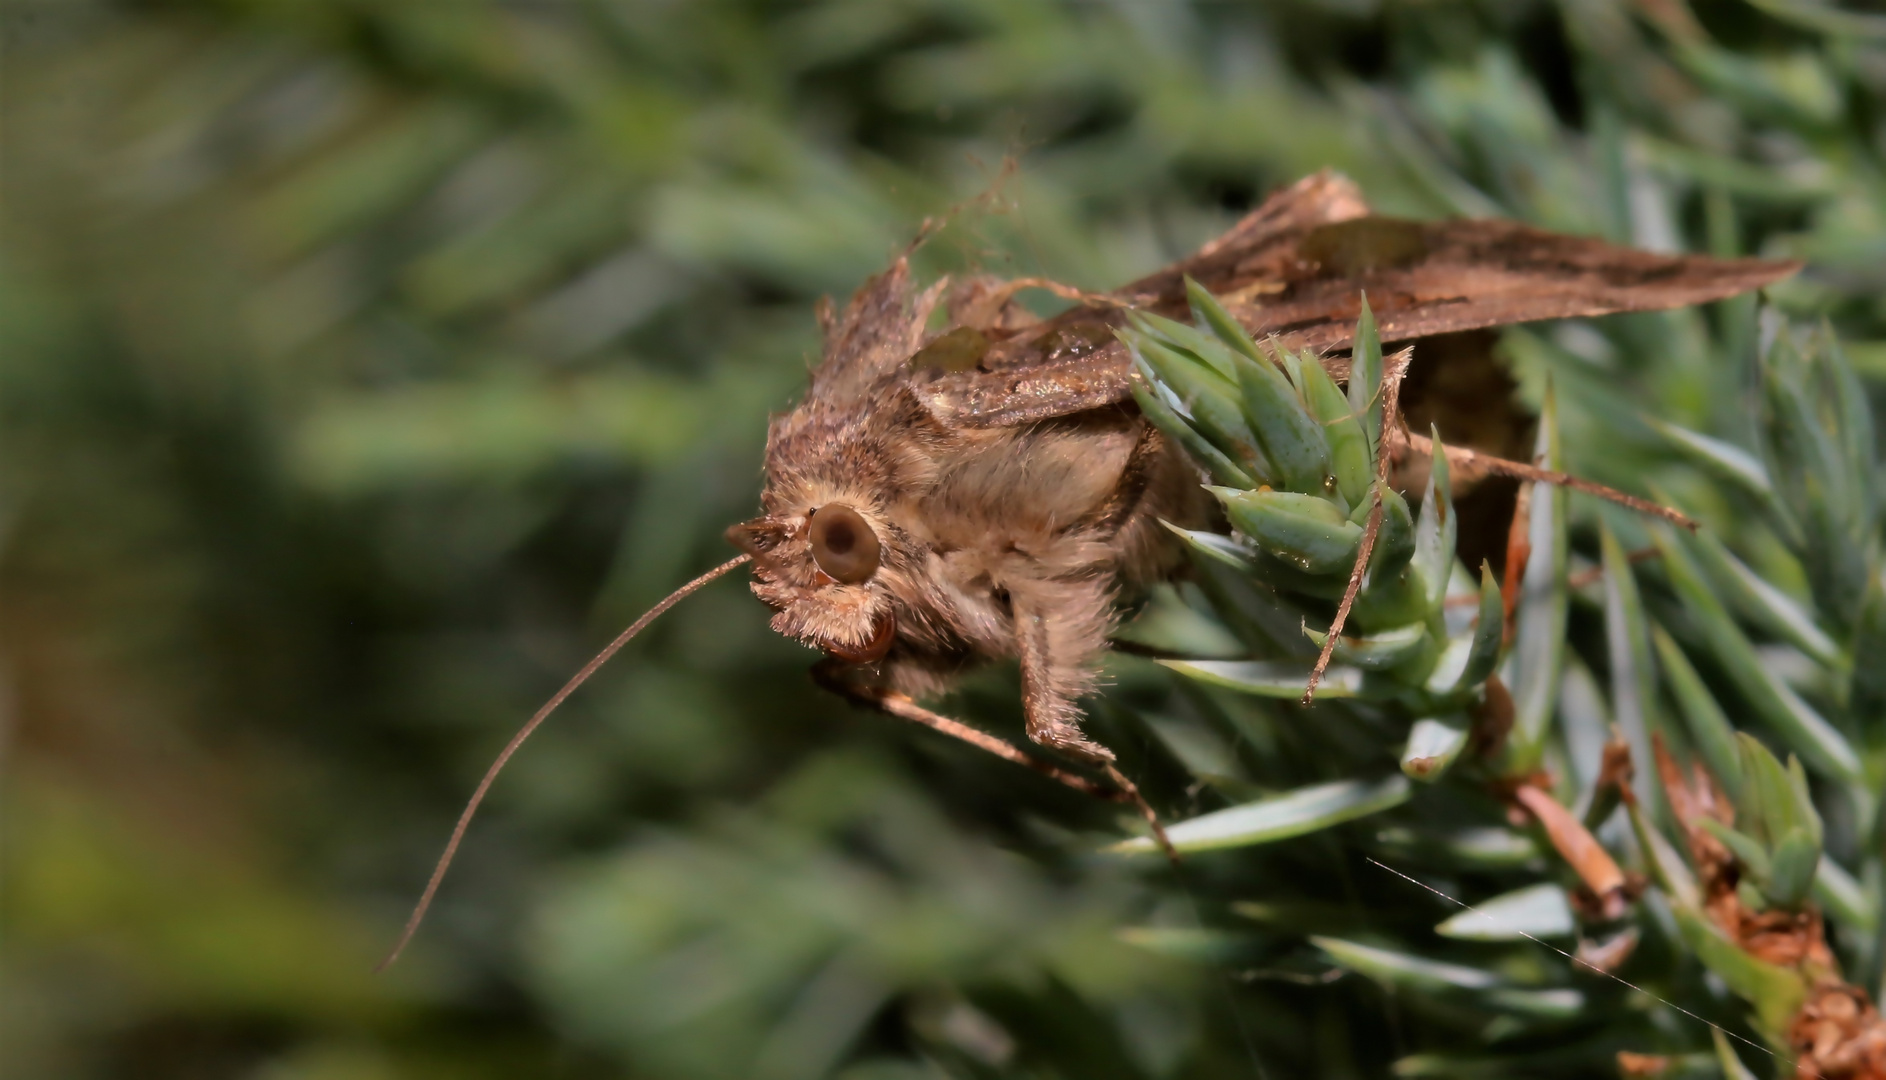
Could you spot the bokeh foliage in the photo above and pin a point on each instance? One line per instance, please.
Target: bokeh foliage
(364, 365)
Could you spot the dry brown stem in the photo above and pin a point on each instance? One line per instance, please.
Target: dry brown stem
(1518, 554)
(1581, 850)
(1472, 463)
(1394, 369)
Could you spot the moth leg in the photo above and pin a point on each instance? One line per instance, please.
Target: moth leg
(1059, 628)
(1057, 641)
(833, 675)
(1155, 484)
(1117, 510)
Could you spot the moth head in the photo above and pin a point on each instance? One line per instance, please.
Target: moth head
(824, 569)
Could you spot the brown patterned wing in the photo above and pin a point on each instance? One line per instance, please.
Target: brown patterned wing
(1297, 268)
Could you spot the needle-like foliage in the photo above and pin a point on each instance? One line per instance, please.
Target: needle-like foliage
(366, 366)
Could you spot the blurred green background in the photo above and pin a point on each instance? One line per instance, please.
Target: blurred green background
(365, 365)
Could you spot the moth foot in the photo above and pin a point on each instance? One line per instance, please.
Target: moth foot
(1067, 739)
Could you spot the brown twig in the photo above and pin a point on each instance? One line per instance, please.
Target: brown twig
(1518, 554)
(1463, 458)
(1394, 367)
(1581, 850)
(1363, 551)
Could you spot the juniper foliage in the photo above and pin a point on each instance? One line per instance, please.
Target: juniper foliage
(366, 365)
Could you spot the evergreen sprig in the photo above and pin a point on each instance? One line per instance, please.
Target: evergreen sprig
(1729, 838)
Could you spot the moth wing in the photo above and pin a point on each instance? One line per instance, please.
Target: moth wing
(1297, 268)
(1072, 363)
(1427, 278)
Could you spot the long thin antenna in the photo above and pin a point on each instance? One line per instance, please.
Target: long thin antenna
(517, 740)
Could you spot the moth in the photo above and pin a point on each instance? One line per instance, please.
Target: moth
(986, 490)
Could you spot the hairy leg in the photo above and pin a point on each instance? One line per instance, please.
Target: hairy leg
(1060, 627)
(833, 676)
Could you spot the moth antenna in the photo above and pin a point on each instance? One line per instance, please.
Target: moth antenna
(517, 740)
(990, 196)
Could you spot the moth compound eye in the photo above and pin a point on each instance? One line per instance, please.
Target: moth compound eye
(843, 544)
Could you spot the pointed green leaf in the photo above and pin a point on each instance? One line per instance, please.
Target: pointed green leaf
(1799, 725)
(1186, 339)
(1218, 548)
(1391, 601)
(1292, 364)
(1436, 529)
(1281, 817)
(1854, 427)
(1212, 317)
(1834, 554)
(1708, 727)
(1866, 696)
(1667, 867)
(1627, 637)
(1799, 445)
(1195, 943)
(1432, 747)
(1811, 475)
(1151, 397)
(1444, 678)
(1488, 633)
(1771, 804)
(1747, 850)
(1292, 440)
(1365, 378)
(1349, 456)
(1272, 678)
(1537, 911)
(1376, 652)
(1805, 813)
(1395, 540)
(1404, 970)
(1480, 848)
(1167, 624)
(1843, 897)
(1307, 532)
(1211, 403)
(1732, 1067)
(1539, 637)
(1422, 975)
(1762, 603)
(1792, 865)
(1559, 1003)
(1725, 461)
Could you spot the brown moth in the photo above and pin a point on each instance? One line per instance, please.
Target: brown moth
(940, 499)
(988, 490)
